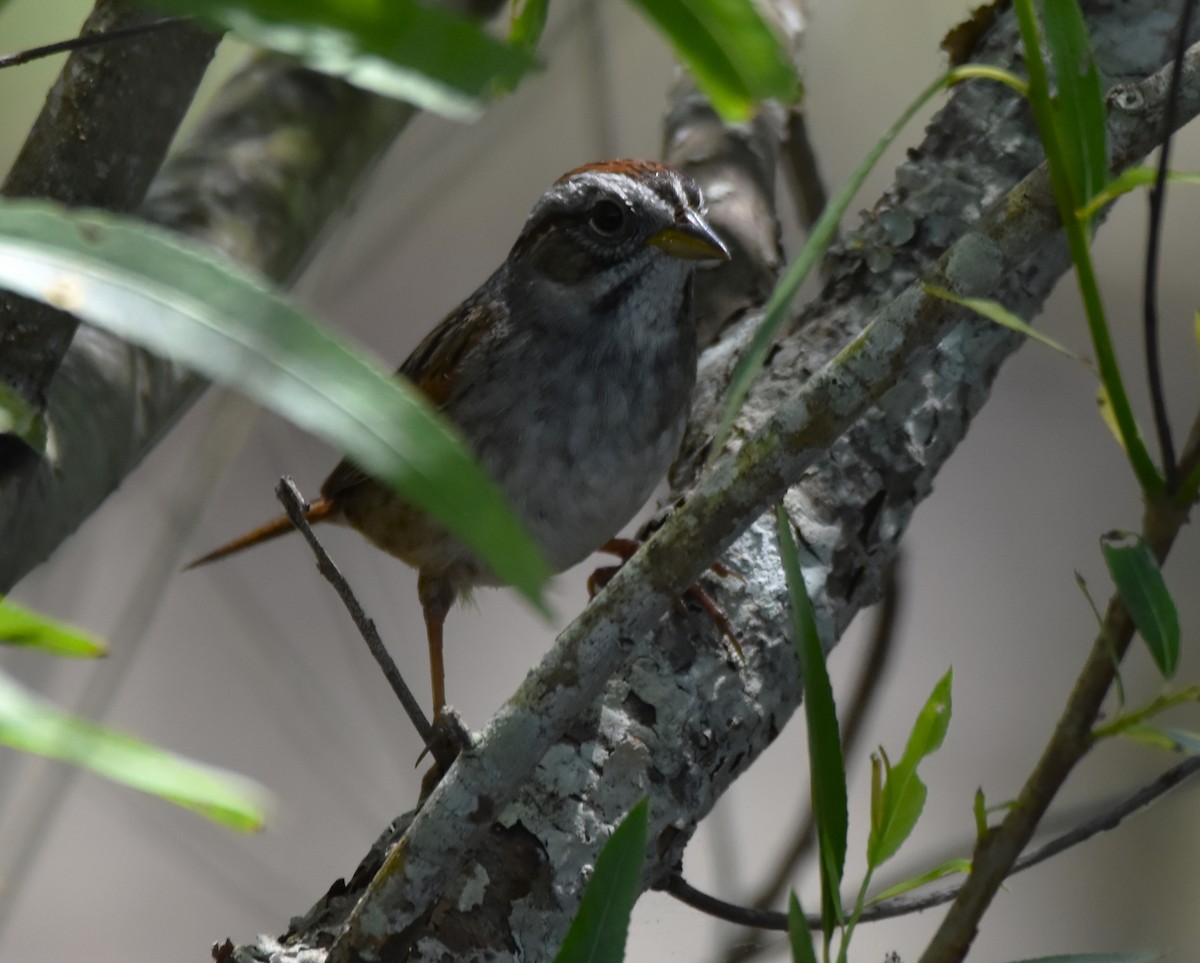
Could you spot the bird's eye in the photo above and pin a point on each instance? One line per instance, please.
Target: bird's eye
(606, 217)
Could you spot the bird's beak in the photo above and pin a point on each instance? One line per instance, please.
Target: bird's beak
(690, 239)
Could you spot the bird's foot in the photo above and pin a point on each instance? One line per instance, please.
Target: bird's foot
(448, 737)
(624, 549)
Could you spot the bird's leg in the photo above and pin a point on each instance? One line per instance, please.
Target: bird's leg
(436, 595)
(624, 549)
(449, 737)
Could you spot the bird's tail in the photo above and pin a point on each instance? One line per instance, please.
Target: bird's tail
(318, 511)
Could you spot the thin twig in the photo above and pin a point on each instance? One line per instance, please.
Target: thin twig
(746, 945)
(293, 503)
(907, 903)
(88, 40)
(1158, 199)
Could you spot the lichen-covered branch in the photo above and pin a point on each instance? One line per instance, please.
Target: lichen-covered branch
(493, 864)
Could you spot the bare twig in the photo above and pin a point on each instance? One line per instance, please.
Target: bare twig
(293, 503)
(908, 903)
(88, 40)
(1158, 198)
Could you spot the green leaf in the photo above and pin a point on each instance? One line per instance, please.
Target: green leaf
(30, 724)
(144, 285)
(826, 765)
(1144, 957)
(729, 49)
(1138, 578)
(19, 418)
(399, 48)
(599, 930)
(1079, 107)
(528, 22)
(948, 868)
(994, 311)
(1130, 179)
(903, 793)
(1165, 737)
(20, 626)
(799, 936)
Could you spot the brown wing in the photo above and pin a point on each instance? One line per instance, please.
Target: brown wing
(433, 367)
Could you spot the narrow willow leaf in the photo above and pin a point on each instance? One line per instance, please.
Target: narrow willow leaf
(1079, 108)
(402, 48)
(1183, 740)
(799, 936)
(948, 868)
(142, 284)
(1144, 957)
(20, 626)
(729, 49)
(994, 311)
(599, 930)
(30, 724)
(903, 792)
(528, 22)
(1164, 737)
(1130, 179)
(827, 768)
(1138, 578)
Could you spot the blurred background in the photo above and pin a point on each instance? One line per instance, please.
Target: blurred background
(252, 664)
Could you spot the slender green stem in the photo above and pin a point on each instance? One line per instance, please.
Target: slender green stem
(860, 903)
(1078, 242)
(1152, 708)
